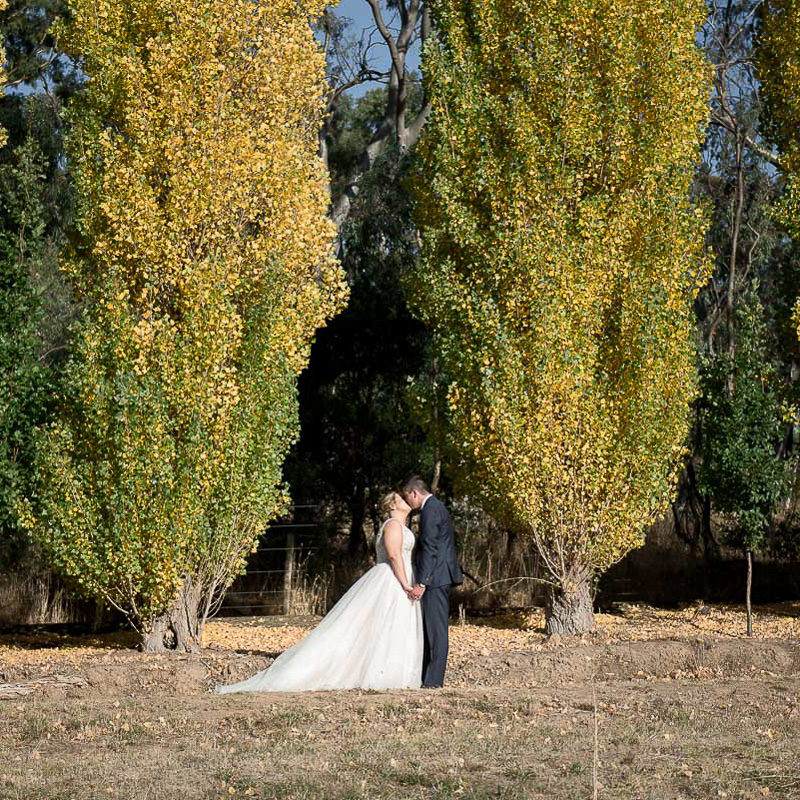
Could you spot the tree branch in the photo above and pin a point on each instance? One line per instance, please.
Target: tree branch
(384, 30)
(393, 123)
(718, 120)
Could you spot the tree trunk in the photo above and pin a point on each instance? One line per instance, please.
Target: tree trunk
(437, 455)
(437, 469)
(747, 597)
(709, 543)
(357, 543)
(288, 574)
(180, 629)
(569, 609)
(731, 291)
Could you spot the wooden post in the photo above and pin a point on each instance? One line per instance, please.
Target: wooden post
(288, 574)
(749, 587)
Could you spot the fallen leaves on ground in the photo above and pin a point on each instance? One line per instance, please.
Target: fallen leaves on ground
(642, 622)
(514, 631)
(221, 634)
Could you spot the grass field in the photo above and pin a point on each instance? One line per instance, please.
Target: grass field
(623, 714)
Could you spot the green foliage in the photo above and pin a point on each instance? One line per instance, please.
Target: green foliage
(24, 379)
(741, 430)
(351, 127)
(35, 307)
(561, 258)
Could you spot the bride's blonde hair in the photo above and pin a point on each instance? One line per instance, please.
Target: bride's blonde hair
(387, 504)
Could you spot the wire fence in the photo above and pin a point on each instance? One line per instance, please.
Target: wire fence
(277, 586)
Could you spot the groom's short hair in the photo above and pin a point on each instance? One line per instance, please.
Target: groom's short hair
(416, 484)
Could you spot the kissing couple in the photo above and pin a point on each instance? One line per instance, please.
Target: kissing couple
(390, 630)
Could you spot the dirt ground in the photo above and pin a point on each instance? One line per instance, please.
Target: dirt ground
(653, 705)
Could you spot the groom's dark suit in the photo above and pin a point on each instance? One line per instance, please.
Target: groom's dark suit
(436, 568)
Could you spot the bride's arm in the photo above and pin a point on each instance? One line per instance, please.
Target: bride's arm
(393, 542)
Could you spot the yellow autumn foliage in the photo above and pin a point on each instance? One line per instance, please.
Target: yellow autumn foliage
(561, 257)
(778, 62)
(203, 255)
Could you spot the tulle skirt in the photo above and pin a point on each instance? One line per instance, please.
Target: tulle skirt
(371, 639)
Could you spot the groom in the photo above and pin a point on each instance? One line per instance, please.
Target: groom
(437, 571)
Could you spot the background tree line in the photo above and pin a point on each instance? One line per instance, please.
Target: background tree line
(375, 401)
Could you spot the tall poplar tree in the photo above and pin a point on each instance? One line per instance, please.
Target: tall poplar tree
(561, 257)
(203, 257)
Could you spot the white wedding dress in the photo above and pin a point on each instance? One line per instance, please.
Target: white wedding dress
(371, 639)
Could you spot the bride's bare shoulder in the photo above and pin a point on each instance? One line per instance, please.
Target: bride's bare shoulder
(392, 525)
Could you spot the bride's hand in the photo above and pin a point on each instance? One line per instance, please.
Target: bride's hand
(416, 592)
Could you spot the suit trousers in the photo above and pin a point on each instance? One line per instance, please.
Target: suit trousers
(435, 619)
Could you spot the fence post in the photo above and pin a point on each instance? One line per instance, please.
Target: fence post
(288, 574)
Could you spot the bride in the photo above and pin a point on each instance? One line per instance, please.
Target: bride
(371, 639)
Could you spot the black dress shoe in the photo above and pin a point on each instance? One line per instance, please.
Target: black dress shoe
(431, 685)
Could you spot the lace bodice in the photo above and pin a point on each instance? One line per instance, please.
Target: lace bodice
(408, 544)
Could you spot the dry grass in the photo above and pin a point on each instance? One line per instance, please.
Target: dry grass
(310, 595)
(147, 729)
(33, 600)
(655, 742)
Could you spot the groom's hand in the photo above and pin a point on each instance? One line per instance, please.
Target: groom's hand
(417, 591)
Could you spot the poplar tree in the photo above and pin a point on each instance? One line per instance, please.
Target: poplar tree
(561, 255)
(202, 253)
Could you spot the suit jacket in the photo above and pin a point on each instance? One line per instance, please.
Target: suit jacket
(435, 558)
